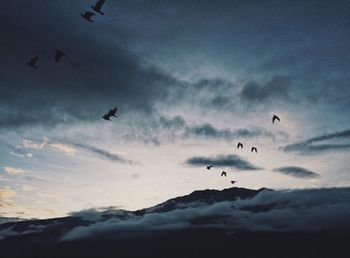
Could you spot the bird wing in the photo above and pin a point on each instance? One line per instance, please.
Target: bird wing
(99, 4)
(113, 111)
(89, 14)
(34, 60)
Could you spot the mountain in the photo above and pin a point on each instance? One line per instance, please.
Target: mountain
(262, 223)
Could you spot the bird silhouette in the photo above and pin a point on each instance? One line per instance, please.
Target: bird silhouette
(111, 112)
(33, 62)
(274, 118)
(254, 149)
(58, 55)
(233, 182)
(233, 207)
(98, 6)
(223, 173)
(87, 16)
(209, 167)
(239, 145)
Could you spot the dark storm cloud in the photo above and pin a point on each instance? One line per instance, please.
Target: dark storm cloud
(207, 130)
(231, 161)
(316, 145)
(94, 76)
(297, 172)
(275, 89)
(103, 153)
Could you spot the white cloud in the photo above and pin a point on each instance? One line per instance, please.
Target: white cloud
(14, 171)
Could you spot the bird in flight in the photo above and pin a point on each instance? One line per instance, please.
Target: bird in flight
(58, 55)
(239, 145)
(87, 16)
(209, 167)
(110, 113)
(233, 182)
(98, 6)
(33, 62)
(254, 149)
(223, 173)
(233, 207)
(274, 118)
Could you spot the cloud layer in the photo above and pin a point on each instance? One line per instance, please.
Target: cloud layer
(297, 172)
(231, 161)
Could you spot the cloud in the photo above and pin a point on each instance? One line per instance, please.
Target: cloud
(103, 153)
(231, 161)
(276, 89)
(314, 145)
(281, 211)
(63, 148)
(28, 188)
(6, 193)
(96, 74)
(297, 172)
(14, 171)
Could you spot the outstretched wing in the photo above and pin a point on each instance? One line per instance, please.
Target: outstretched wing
(89, 14)
(99, 4)
(112, 112)
(275, 118)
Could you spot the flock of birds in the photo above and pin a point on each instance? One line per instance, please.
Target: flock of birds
(87, 15)
(58, 53)
(240, 146)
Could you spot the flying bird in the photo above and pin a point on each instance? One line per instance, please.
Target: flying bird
(223, 173)
(110, 113)
(274, 118)
(239, 145)
(58, 55)
(98, 6)
(33, 62)
(254, 149)
(87, 16)
(209, 167)
(233, 182)
(233, 207)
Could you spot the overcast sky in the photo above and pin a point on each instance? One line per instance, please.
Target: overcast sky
(190, 79)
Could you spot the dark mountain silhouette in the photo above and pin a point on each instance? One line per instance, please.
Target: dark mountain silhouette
(195, 241)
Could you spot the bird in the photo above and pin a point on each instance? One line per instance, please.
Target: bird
(87, 16)
(233, 207)
(223, 173)
(209, 167)
(58, 55)
(110, 113)
(233, 182)
(254, 149)
(98, 6)
(274, 118)
(33, 62)
(239, 145)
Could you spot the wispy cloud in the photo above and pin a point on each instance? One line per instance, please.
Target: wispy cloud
(316, 145)
(297, 172)
(103, 153)
(232, 161)
(14, 171)
(63, 148)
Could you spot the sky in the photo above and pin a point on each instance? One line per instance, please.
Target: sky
(190, 79)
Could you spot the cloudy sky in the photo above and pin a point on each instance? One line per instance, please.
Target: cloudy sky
(190, 79)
